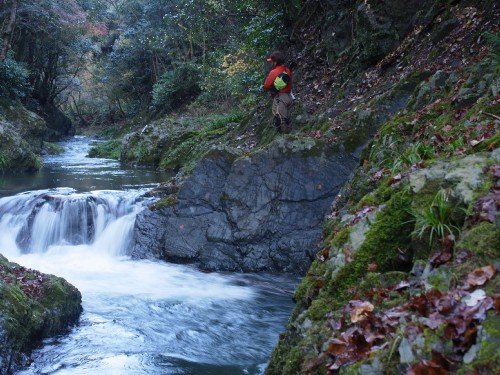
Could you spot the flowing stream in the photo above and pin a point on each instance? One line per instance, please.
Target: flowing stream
(74, 219)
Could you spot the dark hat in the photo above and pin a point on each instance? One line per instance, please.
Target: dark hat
(277, 57)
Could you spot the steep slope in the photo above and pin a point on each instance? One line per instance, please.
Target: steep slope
(406, 281)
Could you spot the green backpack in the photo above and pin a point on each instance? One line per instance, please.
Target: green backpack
(281, 81)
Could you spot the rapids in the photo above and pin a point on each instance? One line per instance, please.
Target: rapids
(139, 317)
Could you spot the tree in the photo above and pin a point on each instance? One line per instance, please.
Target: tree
(7, 33)
(52, 38)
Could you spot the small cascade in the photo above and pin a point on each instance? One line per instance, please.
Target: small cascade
(37, 220)
(139, 316)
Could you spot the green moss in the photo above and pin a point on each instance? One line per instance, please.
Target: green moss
(16, 310)
(329, 227)
(434, 337)
(487, 359)
(165, 202)
(371, 281)
(54, 294)
(32, 306)
(482, 241)
(53, 149)
(339, 239)
(441, 278)
(110, 149)
(285, 360)
(385, 240)
(311, 283)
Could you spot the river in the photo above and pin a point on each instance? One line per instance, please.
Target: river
(74, 219)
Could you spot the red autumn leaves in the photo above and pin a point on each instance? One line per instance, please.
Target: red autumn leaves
(362, 330)
(30, 281)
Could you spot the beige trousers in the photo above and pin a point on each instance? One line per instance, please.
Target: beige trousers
(281, 109)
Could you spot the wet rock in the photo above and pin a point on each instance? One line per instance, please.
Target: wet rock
(258, 213)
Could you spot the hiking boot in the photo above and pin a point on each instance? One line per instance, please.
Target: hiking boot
(286, 126)
(277, 124)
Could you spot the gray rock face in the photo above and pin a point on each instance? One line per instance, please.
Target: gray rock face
(259, 213)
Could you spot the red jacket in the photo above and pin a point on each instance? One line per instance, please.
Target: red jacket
(269, 82)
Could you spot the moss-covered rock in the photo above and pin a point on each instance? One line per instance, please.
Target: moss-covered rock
(33, 306)
(484, 356)
(174, 144)
(21, 138)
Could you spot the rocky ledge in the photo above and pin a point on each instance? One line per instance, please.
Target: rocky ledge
(262, 212)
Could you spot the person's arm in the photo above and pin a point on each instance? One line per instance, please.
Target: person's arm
(269, 82)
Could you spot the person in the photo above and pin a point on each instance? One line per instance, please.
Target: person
(282, 99)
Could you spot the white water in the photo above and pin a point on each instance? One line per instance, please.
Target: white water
(140, 317)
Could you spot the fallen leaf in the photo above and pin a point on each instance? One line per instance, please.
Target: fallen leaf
(481, 275)
(395, 179)
(496, 170)
(336, 347)
(440, 258)
(359, 310)
(475, 297)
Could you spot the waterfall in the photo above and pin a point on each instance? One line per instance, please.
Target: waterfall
(35, 221)
(139, 316)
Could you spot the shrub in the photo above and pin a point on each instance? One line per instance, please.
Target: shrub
(177, 87)
(13, 78)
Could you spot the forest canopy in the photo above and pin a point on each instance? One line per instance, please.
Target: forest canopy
(106, 60)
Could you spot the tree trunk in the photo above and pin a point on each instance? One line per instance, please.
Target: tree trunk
(7, 34)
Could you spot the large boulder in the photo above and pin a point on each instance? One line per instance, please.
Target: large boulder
(58, 124)
(21, 138)
(258, 213)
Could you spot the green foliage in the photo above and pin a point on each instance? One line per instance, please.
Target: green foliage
(3, 161)
(494, 38)
(436, 220)
(177, 87)
(56, 48)
(110, 149)
(398, 156)
(53, 149)
(13, 78)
